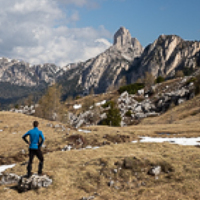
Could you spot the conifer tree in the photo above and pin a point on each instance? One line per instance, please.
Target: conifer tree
(113, 116)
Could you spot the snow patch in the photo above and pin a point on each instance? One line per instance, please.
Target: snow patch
(77, 106)
(180, 141)
(134, 141)
(5, 167)
(85, 131)
(96, 147)
(100, 103)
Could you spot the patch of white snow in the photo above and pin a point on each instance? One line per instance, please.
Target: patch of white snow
(77, 106)
(180, 141)
(85, 131)
(5, 167)
(100, 103)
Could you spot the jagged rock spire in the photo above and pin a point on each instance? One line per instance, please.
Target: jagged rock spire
(122, 37)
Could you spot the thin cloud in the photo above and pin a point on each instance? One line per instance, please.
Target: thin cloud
(37, 31)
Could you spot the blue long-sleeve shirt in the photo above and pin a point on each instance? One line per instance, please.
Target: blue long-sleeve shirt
(35, 135)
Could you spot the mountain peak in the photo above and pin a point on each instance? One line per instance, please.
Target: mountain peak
(122, 37)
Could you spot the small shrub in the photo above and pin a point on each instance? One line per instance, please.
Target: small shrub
(78, 97)
(17, 106)
(132, 88)
(188, 71)
(197, 85)
(160, 79)
(179, 74)
(128, 113)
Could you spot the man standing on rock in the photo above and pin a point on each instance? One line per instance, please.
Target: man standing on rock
(34, 147)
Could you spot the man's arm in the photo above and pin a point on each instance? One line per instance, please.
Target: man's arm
(42, 141)
(24, 137)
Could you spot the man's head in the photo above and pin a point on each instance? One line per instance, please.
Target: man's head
(35, 124)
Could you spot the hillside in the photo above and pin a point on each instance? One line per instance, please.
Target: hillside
(88, 172)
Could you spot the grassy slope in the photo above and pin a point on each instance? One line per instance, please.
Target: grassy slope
(81, 173)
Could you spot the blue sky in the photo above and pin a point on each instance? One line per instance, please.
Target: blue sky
(66, 31)
(146, 19)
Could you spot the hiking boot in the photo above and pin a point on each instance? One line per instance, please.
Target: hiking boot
(28, 175)
(41, 174)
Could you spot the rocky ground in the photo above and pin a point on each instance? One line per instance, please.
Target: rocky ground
(102, 162)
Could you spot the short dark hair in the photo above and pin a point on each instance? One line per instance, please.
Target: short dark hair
(35, 123)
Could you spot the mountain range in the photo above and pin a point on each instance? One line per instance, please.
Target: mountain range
(125, 58)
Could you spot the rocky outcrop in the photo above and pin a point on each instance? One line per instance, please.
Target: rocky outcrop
(152, 103)
(34, 182)
(26, 183)
(28, 110)
(8, 179)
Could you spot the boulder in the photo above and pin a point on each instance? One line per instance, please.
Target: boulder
(124, 95)
(140, 92)
(138, 108)
(80, 123)
(67, 148)
(9, 179)
(25, 183)
(34, 182)
(180, 101)
(140, 115)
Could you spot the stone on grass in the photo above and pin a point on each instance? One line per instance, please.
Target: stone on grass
(155, 171)
(34, 182)
(111, 183)
(9, 179)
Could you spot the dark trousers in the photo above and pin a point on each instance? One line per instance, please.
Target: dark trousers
(32, 153)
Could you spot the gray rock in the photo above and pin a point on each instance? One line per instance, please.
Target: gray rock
(153, 114)
(140, 115)
(124, 95)
(67, 148)
(180, 101)
(155, 171)
(9, 179)
(88, 198)
(23, 151)
(49, 125)
(140, 92)
(88, 147)
(111, 183)
(146, 107)
(103, 116)
(138, 108)
(80, 123)
(57, 126)
(34, 182)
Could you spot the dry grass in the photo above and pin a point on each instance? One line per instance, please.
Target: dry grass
(79, 173)
(93, 99)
